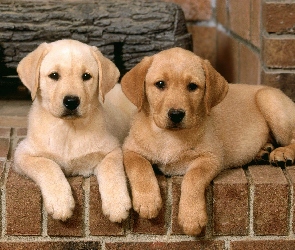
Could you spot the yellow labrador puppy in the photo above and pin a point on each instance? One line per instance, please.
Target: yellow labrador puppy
(192, 122)
(67, 131)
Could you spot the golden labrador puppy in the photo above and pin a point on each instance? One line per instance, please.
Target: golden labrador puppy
(192, 122)
(67, 131)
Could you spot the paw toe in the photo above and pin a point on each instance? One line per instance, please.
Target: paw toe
(60, 208)
(192, 222)
(190, 227)
(117, 210)
(148, 209)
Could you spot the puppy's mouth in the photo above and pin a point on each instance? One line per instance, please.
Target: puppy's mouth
(175, 126)
(70, 114)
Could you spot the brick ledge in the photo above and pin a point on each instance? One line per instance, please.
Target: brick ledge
(251, 208)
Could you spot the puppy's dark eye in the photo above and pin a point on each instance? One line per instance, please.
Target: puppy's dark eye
(160, 85)
(86, 76)
(54, 76)
(192, 87)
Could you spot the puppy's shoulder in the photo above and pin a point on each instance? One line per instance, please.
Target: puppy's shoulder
(244, 88)
(141, 130)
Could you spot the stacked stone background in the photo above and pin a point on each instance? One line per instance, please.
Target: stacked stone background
(125, 31)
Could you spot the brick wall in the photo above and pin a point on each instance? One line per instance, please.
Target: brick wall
(249, 41)
(249, 208)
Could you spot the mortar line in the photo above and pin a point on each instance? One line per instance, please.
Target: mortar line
(86, 188)
(44, 225)
(12, 144)
(227, 244)
(103, 245)
(3, 199)
(7, 166)
(142, 238)
(290, 202)
(251, 202)
(169, 202)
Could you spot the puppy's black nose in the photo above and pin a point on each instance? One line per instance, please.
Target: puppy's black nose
(71, 102)
(176, 115)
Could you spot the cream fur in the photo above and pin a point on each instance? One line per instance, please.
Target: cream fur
(80, 144)
(225, 125)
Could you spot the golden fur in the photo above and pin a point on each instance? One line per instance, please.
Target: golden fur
(82, 141)
(192, 122)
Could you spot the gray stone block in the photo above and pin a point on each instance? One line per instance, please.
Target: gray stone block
(125, 31)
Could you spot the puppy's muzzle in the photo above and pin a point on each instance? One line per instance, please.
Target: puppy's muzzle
(71, 102)
(176, 115)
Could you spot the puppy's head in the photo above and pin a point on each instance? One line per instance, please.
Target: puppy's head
(174, 87)
(67, 76)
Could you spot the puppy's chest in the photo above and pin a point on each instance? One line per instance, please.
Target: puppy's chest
(76, 154)
(172, 155)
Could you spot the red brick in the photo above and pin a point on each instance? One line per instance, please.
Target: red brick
(270, 208)
(21, 132)
(50, 245)
(255, 23)
(184, 245)
(282, 80)
(291, 173)
(98, 223)
(195, 10)
(250, 68)
(23, 206)
(263, 245)
(176, 191)
(227, 61)
(279, 17)
(239, 17)
(279, 52)
(4, 147)
(204, 42)
(231, 203)
(156, 225)
(74, 225)
(222, 12)
(5, 132)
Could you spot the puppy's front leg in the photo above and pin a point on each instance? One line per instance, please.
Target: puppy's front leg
(55, 189)
(113, 186)
(192, 215)
(146, 196)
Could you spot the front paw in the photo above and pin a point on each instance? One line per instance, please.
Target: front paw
(192, 219)
(282, 156)
(116, 207)
(59, 202)
(147, 204)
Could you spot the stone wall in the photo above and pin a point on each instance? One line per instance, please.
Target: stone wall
(124, 30)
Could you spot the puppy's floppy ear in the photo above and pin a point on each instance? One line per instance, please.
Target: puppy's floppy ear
(28, 68)
(108, 72)
(133, 82)
(216, 86)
